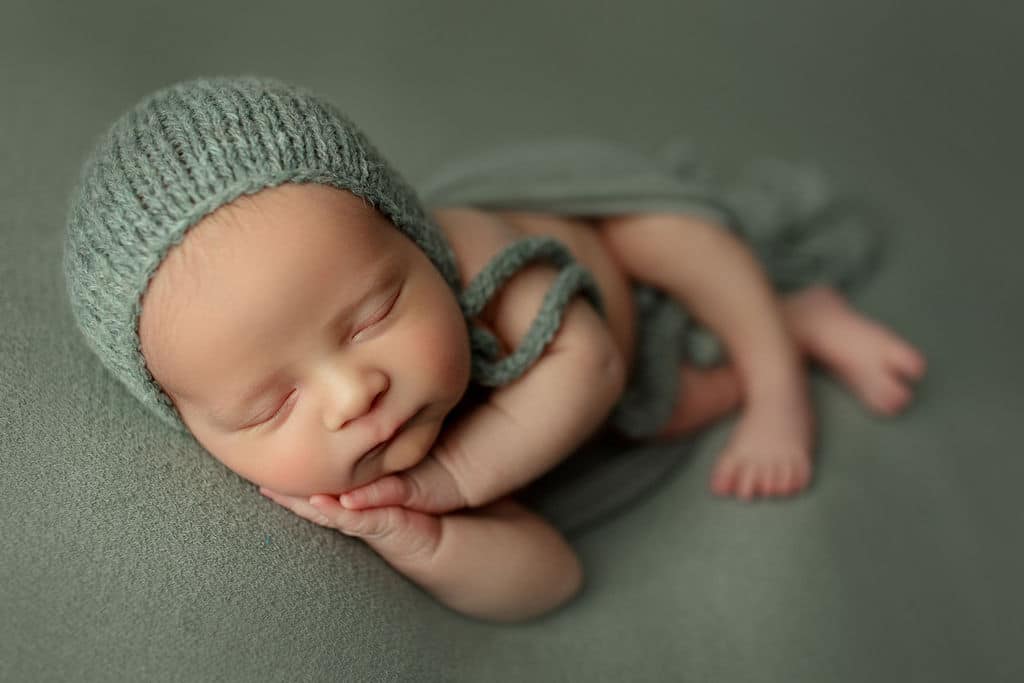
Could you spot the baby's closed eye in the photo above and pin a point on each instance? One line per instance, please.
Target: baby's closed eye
(381, 313)
(285, 403)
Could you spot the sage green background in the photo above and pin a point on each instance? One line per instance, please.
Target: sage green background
(130, 555)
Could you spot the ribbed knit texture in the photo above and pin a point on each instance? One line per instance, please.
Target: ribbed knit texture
(187, 149)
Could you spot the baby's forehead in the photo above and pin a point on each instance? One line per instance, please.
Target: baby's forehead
(283, 236)
(290, 216)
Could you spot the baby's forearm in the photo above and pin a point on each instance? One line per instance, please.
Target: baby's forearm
(523, 430)
(528, 427)
(499, 562)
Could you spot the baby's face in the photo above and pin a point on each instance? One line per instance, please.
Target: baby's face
(295, 330)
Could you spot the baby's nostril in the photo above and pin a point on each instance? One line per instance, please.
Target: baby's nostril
(376, 401)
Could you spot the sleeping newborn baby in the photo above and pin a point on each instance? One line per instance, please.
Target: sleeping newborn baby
(267, 282)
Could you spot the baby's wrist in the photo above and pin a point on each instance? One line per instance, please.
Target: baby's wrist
(454, 494)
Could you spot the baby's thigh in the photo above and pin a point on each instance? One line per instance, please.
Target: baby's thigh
(650, 247)
(706, 395)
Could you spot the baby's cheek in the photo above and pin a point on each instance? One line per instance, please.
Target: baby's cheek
(444, 348)
(263, 462)
(294, 468)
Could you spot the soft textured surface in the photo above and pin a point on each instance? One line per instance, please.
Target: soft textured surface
(901, 562)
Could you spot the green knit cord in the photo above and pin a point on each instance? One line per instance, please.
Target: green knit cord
(487, 369)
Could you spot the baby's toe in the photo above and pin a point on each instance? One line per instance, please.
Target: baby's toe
(795, 478)
(765, 479)
(884, 391)
(723, 478)
(802, 475)
(749, 481)
(907, 360)
(894, 396)
(780, 478)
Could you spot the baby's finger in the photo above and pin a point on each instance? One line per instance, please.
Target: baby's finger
(371, 523)
(299, 506)
(399, 534)
(390, 490)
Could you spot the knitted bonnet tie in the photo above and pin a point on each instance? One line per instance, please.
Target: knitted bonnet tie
(189, 148)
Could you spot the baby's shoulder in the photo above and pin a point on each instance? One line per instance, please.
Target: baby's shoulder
(476, 236)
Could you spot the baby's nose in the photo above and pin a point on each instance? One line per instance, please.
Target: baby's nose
(350, 396)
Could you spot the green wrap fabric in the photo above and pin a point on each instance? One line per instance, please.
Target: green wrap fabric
(785, 211)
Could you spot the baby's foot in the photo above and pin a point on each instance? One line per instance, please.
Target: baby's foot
(769, 450)
(874, 363)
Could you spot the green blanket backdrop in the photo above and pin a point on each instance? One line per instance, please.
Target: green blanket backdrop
(130, 554)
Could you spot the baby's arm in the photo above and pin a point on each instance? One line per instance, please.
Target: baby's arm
(499, 562)
(526, 427)
(529, 426)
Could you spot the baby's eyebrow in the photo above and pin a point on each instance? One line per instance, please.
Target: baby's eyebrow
(386, 276)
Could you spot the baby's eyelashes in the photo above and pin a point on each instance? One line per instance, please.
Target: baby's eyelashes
(381, 313)
(275, 416)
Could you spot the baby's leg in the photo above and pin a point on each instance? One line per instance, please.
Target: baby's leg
(717, 277)
(871, 360)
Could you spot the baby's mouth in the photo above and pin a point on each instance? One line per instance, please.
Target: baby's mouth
(378, 448)
(384, 444)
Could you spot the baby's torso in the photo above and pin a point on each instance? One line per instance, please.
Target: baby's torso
(582, 238)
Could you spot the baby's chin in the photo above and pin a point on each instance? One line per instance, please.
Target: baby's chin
(401, 457)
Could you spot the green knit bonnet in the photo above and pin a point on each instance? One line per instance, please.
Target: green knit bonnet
(189, 148)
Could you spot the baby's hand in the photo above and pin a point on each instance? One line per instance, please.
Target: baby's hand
(399, 535)
(427, 487)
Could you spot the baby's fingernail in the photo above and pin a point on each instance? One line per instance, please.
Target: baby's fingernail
(348, 501)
